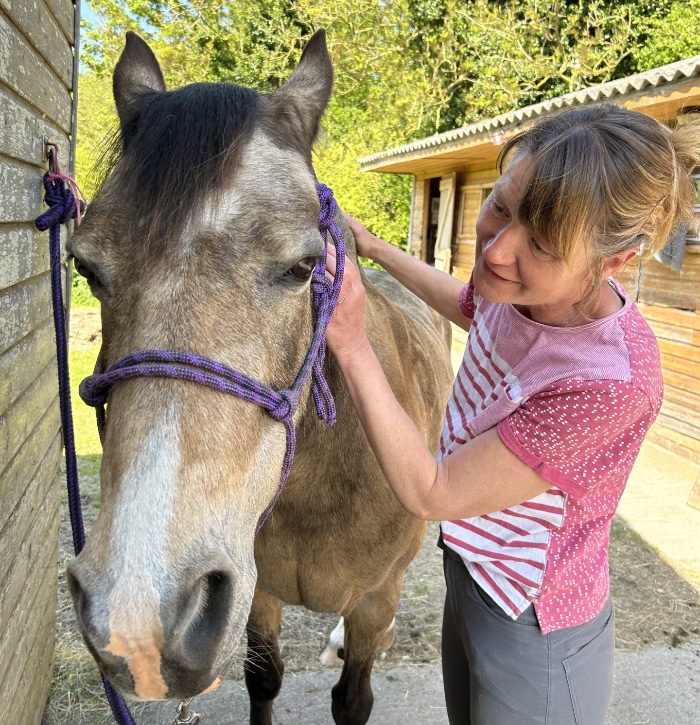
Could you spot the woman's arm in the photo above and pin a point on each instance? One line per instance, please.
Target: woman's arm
(482, 476)
(435, 288)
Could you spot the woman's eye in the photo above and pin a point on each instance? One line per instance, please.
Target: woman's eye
(539, 248)
(304, 268)
(500, 211)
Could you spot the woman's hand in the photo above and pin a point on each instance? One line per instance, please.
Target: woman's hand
(364, 239)
(346, 334)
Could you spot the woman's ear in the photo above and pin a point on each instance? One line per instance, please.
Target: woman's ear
(617, 262)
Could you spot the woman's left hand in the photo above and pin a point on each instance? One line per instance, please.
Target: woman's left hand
(346, 329)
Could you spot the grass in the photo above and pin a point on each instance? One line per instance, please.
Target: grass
(87, 439)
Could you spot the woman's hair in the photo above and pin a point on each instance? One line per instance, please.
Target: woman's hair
(607, 176)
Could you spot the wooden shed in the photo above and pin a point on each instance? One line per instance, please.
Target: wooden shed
(454, 171)
(38, 63)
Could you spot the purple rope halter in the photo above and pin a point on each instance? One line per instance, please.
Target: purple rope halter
(280, 405)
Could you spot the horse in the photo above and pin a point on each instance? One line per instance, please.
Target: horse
(202, 238)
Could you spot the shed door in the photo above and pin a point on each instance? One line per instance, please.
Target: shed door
(443, 244)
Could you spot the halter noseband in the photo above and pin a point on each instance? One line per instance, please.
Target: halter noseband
(281, 405)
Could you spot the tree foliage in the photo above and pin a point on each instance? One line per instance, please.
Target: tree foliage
(404, 68)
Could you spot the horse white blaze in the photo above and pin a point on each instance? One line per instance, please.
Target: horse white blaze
(140, 567)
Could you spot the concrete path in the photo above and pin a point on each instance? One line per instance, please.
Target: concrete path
(657, 687)
(655, 505)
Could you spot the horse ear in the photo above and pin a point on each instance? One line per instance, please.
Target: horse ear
(137, 73)
(296, 108)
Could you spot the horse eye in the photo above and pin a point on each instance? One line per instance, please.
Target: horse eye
(304, 268)
(82, 269)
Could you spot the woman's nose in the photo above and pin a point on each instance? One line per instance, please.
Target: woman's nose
(502, 247)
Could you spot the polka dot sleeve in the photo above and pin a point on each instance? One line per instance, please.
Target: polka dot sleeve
(466, 301)
(579, 434)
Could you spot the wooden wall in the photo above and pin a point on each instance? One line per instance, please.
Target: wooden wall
(36, 77)
(668, 299)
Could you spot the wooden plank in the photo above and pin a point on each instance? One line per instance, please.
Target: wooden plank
(39, 673)
(682, 397)
(24, 253)
(22, 130)
(690, 271)
(684, 382)
(683, 413)
(414, 230)
(36, 642)
(24, 536)
(44, 441)
(679, 426)
(25, 72)
(462, 273)
(36, 579)
(680, 365)
(675, 333)
(20, 419)
(64, 12)
(678, 443)
(24, 362)
(41, 29)
(21, 191)
(683, 297)
(470, 211)
(681, 293)
(23, 308)
(670, 316)
(678, 439)
(679, 349)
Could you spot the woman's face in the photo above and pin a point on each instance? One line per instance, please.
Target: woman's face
(512, 267)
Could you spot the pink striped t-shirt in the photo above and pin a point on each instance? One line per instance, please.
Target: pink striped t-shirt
(573, 403)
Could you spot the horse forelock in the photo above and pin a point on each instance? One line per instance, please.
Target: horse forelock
(175, 153)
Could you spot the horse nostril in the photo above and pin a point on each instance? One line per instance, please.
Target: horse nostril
(78, 594)
(83, 613)
(204, 619)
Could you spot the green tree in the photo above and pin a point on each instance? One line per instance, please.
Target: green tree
(404, 68)
(669, 36)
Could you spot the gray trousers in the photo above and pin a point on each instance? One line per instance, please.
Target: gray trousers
(500, 671)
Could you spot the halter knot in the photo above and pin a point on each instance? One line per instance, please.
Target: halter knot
(93, 391)
(285, 407)
(61, 201)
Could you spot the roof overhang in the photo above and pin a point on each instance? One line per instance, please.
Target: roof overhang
(662, 93)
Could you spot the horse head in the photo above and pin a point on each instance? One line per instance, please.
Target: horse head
(202, 238)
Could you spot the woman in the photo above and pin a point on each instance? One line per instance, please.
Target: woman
(560, 382)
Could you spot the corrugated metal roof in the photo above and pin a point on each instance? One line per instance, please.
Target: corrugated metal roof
(655, 77)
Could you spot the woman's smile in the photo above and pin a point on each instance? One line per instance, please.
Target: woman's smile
(494, 275)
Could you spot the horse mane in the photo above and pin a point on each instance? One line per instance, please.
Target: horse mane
(177, 151)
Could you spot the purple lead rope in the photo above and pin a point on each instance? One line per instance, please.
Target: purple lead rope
(280, 405)
(63, 207)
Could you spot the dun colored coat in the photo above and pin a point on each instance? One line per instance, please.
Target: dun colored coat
(194, 243)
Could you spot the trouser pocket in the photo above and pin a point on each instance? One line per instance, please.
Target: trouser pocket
(589, 674)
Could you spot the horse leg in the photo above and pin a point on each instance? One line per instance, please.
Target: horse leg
(263, 666)
(368, 628)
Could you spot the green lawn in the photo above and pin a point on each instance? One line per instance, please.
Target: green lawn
(87, 440)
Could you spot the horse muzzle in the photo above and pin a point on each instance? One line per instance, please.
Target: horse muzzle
(151, 650)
